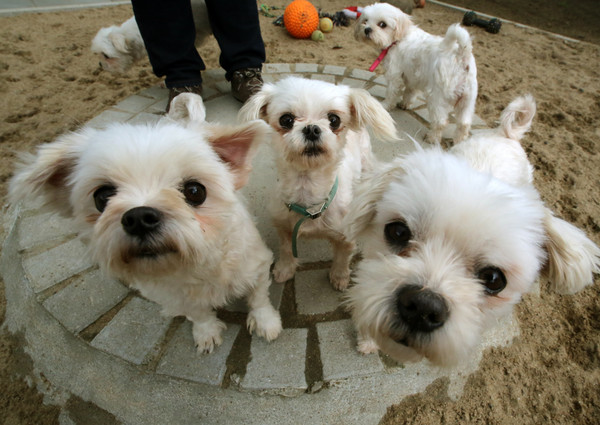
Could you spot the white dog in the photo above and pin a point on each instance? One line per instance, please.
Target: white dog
(452, 240)
(158, 208)
(119, 47)
(322, 146)
(442, 68)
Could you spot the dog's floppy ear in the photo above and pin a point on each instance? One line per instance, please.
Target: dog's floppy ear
(119, 41)
(572, 257)
(236, 146)
(369, 192)
(403, 23)
(47, 173)
(256, 106)
(367, 111)
(187, 107)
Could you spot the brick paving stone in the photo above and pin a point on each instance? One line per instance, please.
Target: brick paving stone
(378, 91)
(41, 228)
(134, 331)
(279, 365)
(354, 83)
(275, 68)
(182, 359)
(381, 80)
(322, 77)
(314, 293)
(134, 104)
(362, 74)
(108, 117)
(334, 69)
(340, 359)
(145, 118)
(155, 92)
(55, 265)
(86, 299)
(307, 67)
(406, 124)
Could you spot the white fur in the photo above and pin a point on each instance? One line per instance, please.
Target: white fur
(307, 179)
(200, 256)
(119, 47)
(442, 68)
(467, 209)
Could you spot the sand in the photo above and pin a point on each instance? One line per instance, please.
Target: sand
(50, 83)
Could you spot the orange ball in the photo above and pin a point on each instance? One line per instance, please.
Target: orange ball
(301, 18)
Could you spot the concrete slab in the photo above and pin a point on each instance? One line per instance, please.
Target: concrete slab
(138, 353)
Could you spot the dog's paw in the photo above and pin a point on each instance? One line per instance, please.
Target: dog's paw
(339, 280)
(207, 335)
(265, 321)
(283, 271)
(367, 346)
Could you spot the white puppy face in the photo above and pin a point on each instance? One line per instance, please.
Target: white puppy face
(311, 118)
(381, 24)
(446, 249)
(151, 201)
(112, 51)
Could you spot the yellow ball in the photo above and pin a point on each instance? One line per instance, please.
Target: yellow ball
(325, 24)
(317, 36)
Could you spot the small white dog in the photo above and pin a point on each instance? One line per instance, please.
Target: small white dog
(322, 146)
(442, 68)
(119, 47)
(158, 208)
(452, 240)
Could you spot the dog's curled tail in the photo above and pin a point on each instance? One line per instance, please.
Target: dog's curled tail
(573, 259)
(516, 118)
(458, 35)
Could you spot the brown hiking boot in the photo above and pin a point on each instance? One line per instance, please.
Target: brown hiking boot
(186, 89)
(245, 82)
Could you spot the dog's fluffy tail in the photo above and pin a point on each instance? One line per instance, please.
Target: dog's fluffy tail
(457, 35)
(516, 118)
(572, 257)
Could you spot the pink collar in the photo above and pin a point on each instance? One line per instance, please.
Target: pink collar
(380, 57)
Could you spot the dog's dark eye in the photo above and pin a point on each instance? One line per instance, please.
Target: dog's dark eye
(102, 194)
(493, 279)
(397, 234)
(334, 121)
(194, 192)
(382, 24)
(287, 121)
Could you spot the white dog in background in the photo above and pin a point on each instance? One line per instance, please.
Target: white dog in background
(453, 239)
(119, 47)
(158, 208)
(442, 68)
(320, 138)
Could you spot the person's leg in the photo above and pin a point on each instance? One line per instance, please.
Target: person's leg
(167, 28)
(236, 27)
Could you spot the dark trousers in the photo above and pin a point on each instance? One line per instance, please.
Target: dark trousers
(167, 28)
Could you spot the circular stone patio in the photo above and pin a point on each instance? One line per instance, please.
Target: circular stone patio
(98, 348)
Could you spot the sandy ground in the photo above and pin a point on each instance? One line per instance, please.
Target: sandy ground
(50, 83)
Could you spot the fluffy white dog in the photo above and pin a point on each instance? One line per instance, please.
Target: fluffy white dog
(442, 68)
(158, 207)
(118, 47)
(322, 146)
(452, 240)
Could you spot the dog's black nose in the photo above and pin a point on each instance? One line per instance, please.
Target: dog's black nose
(368, 31)
(421, 309)
(312, 132)
(141, 221)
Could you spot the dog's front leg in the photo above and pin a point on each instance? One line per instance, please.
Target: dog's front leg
(285, 267)
(392, 92)
(206, 329)
(262, 316)
(339, 275)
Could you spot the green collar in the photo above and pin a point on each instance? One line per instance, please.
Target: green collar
(310, 212)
